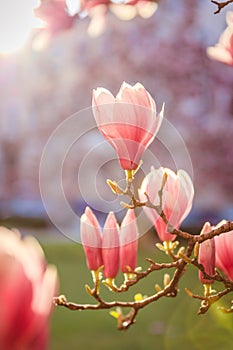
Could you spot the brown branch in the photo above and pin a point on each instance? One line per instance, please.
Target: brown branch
(124, 322)
(227, 311)
(140, 275)
(228, 226)
(221, 5)
(217, 277)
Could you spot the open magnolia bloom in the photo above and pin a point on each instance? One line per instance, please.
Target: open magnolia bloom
(177, 198)
(27, 288)
(128, 121)
(224, 252)
(223, 50)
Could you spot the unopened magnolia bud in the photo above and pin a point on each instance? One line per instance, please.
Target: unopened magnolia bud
(138, 297)
(196, 250)
(125, 205)
(128, 242)
(114, 314)
(206, 256)
(88, 289)
(158, 288)
(60, 300)
(160, 247)
(175, 245)
(114, 187)
(181, 251)
(185, 258)
(166, 279)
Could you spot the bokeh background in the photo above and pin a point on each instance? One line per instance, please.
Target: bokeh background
(51, 78)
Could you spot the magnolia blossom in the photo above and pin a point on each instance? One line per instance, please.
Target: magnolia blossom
(129, 242)
(206, 255)
(128, 121)
(91, 239)
(177, 197)
(100, 249)
(27, 287)
(110, 246)
(224, 252)
(223, 50)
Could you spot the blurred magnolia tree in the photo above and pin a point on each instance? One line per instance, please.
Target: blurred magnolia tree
(174, 66)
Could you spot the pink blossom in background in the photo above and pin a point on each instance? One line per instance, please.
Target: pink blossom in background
(224, 252)
(223, 50)
(206, 255)
(124, 10)
(91, 239)
(129, 10)
(55, 16)
(110, 246)
(128, 121)
(177, 198)
(27, 287)
(128, 242)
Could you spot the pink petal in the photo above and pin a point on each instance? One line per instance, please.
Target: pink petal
(224, 253)
(206, 255)
(91, 239)
(129, 242)
(110, 247)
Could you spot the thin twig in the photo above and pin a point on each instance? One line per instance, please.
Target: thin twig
(221, 5)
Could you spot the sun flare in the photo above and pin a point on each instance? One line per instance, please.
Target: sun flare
(16, 22)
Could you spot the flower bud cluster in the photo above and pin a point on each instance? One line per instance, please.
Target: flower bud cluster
(112, 247)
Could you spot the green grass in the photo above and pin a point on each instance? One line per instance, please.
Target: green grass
(168, 324)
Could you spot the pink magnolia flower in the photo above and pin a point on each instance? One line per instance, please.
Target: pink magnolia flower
(223, 50)
(177, 198)
(128, 121)
(110, 247)
(26, 291)
(91, 239)
(206, 255)
(128, 242)
(224, 252)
